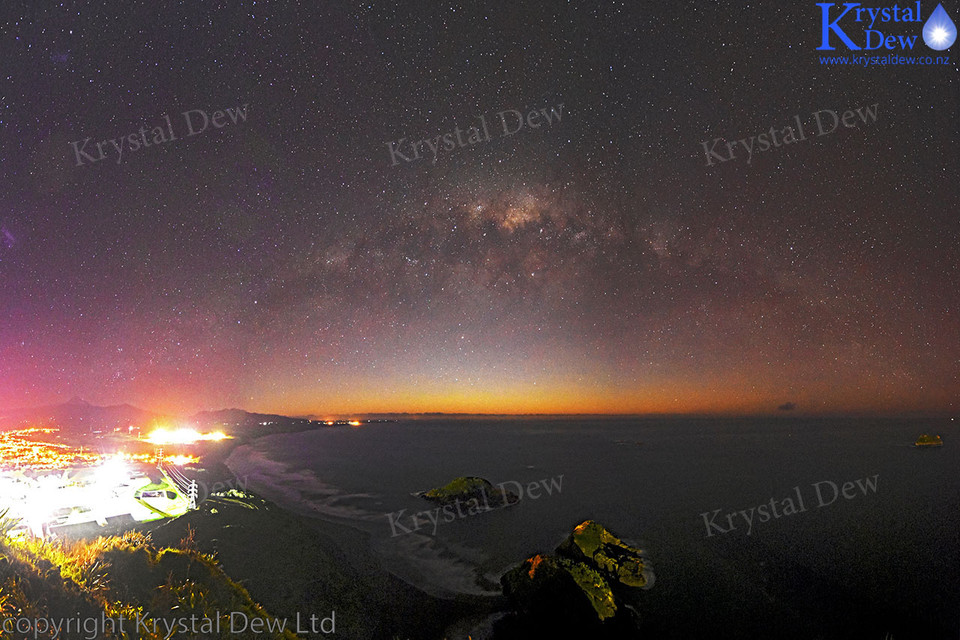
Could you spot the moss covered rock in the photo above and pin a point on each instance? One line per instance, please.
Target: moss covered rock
(929, 441)
(466, 488)
(583, 588)
(590, 542)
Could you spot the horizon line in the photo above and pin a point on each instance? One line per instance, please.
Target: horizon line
(315, 415)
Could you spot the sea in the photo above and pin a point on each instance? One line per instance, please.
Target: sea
(861, 537)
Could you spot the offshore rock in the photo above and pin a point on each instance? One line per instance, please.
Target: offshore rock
(590, 542)
(466, 488)
(586, 588)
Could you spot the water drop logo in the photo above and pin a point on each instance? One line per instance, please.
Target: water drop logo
(939, 32)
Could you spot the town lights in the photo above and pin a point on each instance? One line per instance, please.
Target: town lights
(184, 436)
(110, 469)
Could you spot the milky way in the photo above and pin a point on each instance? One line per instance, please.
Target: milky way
(597, 263)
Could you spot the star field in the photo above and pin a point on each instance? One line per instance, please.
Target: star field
(593, 264)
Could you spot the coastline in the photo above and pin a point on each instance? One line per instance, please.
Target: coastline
(736, 571)
(422, 561)
(308, 562)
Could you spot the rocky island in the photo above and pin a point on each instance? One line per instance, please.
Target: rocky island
(467, 488)
(589, 586)
(929, 441)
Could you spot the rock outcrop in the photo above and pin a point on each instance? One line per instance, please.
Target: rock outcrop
(466, 488)
(929, 441)
(589, 586)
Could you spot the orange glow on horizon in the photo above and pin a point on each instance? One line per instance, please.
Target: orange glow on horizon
(585, 390)
(707, 401)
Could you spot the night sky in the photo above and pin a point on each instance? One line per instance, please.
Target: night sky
(290, 262)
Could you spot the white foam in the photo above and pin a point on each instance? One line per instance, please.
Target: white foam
(438, 568)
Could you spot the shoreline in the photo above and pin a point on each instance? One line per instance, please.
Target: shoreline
(297, 560)
(413, 610)
(757, 568)
(420, 563)
(293, 566)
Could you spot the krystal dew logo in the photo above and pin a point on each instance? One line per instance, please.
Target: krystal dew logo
(854, 27)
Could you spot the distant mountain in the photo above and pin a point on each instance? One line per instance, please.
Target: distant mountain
(77, 415)
(238, 422)
(234, 416)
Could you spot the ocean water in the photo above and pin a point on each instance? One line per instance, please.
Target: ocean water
(881, 560)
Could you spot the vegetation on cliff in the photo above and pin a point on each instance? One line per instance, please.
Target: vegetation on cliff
(293, 565)
(120, 577)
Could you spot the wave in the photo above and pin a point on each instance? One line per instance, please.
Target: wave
(435, 566)
(298, 490)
